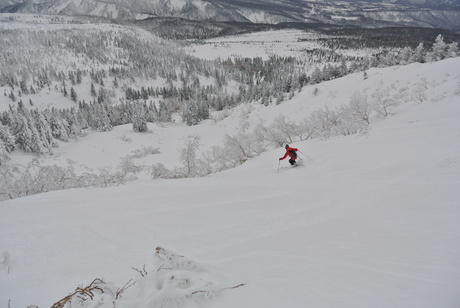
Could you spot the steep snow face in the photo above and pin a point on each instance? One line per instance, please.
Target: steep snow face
(369, 220)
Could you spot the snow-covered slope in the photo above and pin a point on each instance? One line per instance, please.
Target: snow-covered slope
(367, 221)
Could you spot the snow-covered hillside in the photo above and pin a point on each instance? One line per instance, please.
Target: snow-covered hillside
(434, 14)
(368, 220)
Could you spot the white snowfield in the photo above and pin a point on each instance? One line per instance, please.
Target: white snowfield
(368, 221)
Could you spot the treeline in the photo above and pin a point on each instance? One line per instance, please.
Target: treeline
(394, 37)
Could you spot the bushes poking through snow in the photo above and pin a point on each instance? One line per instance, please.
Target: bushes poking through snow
(175, 281)
(34, 178)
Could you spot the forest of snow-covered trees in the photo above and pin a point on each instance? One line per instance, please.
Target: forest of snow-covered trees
(112, 75)
(34, 61)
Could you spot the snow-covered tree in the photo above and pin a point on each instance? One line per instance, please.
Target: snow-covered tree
(6, 143)
(325, 122)
(139, 118)
(57, 124)
(194, 112)
(73, 94)
(452, 50)
(281, 131)
(43, 128)
(191, 165)
(360, 106)
(419, 54)
(439, 49)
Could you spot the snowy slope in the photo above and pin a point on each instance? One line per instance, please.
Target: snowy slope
(369, 221)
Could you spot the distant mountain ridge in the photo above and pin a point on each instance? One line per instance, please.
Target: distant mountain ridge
(443, 14)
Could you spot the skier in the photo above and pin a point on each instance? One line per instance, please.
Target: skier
(291, 152)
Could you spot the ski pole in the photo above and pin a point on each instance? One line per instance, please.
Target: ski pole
(278, 166)
(305, 155)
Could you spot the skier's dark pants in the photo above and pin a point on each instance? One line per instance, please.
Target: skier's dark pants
(292, 162)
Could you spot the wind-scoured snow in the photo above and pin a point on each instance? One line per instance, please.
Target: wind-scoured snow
(369, 220)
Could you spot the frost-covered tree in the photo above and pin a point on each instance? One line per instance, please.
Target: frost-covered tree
(57, 124)
(306, 130)
(73, 94)
(195, 111)
(139, 118)
(44, 130)
(191, 165)
(281, 131)
(419, 54)
(316, 76)
(325, 121)
(93, 91)
(439, 49)
(6, 143)
(452, 50)
(360, 106)
(349, 124)
(386, 98)
(99, 119)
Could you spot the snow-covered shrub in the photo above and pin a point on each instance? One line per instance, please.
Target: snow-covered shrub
(159, 171)
(349, 123)
(386, 99)
(240, 147)
(306, 130)
(192, 166)
(171, 281)
(236, 149)
(281, 131)
(360, 106)
(128, 169)
(179, 279)
(419, 92)
(325, 120)
(217, 159)
(144, 152)
(19, 181)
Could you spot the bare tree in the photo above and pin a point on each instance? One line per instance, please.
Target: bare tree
(360, 106)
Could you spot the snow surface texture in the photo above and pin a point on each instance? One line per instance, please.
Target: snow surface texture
(369, 221)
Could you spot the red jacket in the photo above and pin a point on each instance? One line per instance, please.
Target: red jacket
(288, 152)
